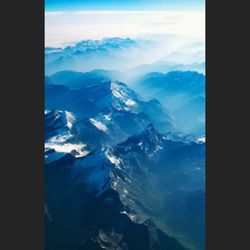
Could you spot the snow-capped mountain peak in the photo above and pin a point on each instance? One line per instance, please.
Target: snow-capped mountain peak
(149, 142)
(123, 97)
(149, 135)
(60, 136)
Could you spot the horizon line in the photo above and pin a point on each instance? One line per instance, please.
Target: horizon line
(82, 11)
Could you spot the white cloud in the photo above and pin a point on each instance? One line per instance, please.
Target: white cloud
(67, 27)
(54, 13)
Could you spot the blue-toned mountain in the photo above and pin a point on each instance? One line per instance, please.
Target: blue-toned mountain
(112, 107)
(87, 55)
(143, 186)
(181, 92)
(73, 79)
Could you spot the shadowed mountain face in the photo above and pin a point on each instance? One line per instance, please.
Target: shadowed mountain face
(124, 164)
(122, 195)
(76, 219)
(164, 179)
(107, 197)
(111, 107)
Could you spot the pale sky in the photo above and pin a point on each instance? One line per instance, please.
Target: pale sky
(62, 28)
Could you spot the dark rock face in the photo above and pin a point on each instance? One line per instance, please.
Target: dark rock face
(117, 174)
(79, 220)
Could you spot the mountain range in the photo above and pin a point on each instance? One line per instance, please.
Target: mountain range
(102, 150)
(109, 53)
(181, 92)
(117, 54)
(124, 149)
(113, 106)
(123, 182)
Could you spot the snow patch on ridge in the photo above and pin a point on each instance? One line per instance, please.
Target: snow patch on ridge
(98, 124)
(130, 102)
(132, 217)
(107, 117)
(46, 111)
(201, 139)
(60, 138)
(123, 96)
(113, 159)
(94, 171)
(70, 119)
(79, 149)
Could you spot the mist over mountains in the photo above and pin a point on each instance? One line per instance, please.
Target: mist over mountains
(124, 148)
(181, 92)
(129, 56)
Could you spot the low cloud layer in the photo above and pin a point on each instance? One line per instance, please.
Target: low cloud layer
(62, 28)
